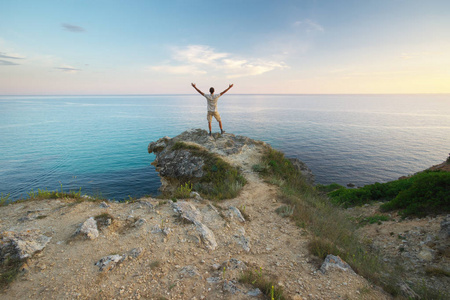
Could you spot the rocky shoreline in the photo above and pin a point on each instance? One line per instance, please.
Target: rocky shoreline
(191, 248)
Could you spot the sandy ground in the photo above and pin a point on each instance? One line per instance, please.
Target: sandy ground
(176, 266)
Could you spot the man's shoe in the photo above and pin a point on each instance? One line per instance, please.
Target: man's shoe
(210, 134)
(222, 131)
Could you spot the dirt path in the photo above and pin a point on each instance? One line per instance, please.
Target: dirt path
(176, 266)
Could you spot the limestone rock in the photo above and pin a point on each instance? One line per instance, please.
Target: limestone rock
(104, 205)
(332, 261)
(89, 229)
(235, 264)
(190, 213)
(254, 293)
(207, 236)
(244, 242)
(230, 286)
(139, 222)
(22, 244)
(235, 212)
(187, 211)
(109, 262)
(189, 271)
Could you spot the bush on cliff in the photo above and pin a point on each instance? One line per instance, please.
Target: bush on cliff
(428, 194)
(221, 180)
(421, 194)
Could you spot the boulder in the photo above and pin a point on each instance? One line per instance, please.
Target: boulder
(332, 261)
(22, 244)
(190, 213)
(89, 229)
(236, 213)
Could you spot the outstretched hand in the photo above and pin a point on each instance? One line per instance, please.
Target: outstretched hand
(193, 84)
(231, 85)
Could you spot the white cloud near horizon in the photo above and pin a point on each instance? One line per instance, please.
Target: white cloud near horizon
(7, 63)
(199, 59)
(68, 69)
(73, 28)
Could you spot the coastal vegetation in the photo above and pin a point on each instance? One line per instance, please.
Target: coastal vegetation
(221, 180)
(424, 193)
(265, 283)
(334, 232)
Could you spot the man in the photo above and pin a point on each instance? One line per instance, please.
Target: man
(212, 106)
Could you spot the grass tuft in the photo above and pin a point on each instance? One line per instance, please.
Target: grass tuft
(266, 283)
(183, 191)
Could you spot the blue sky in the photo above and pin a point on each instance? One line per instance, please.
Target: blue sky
(160, 47)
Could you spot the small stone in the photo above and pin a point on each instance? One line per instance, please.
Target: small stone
(89, 229)
(104, 205)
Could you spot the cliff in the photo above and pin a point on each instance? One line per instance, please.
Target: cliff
(192, 248)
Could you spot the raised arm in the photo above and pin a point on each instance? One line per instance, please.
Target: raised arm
(231, 85)
(201, 93)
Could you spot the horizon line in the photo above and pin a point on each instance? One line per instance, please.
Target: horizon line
(190, 94)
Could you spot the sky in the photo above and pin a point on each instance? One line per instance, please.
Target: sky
(98, 47)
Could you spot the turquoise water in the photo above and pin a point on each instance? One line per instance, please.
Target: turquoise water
(100, 143)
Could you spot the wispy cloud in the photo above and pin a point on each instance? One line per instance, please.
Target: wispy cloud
(7, 63)
(423, 54)
(201, 59)
(73, 28)
(309, 26)
(11, 55)
(68, 69)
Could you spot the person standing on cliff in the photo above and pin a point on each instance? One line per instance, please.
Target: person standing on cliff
(212, 106)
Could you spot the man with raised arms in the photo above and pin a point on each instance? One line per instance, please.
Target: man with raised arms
(212, 106)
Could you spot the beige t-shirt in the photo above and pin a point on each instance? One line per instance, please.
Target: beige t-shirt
(212, 101)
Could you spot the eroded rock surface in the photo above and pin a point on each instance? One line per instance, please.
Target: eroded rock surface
(22, 244)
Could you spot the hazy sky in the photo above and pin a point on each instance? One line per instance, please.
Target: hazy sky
(298, 46)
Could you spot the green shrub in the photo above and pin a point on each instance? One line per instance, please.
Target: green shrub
(329, 188)
(428, 194)
(221, 180)
(421, 194)
(4, 199)
(183, 191)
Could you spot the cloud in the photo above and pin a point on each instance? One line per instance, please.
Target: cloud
(309, 26)
(178, 70)
(201, 59)
(416, 55)
(11, 55)
(73, 28)
(7, 63)
(68, 69)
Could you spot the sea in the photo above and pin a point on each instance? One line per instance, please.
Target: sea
(99, 143)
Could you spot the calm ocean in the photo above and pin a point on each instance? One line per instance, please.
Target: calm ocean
(99, 143)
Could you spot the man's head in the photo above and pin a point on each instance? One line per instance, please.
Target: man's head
(211, 90)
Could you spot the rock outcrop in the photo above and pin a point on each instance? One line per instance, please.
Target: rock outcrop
(177, 164)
